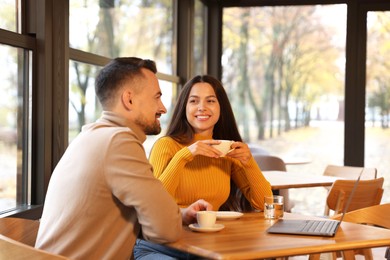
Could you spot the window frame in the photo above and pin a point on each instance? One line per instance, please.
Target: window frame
(27, 44)
(355, 60)
(45, 31)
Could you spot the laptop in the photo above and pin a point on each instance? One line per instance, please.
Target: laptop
(322, 227)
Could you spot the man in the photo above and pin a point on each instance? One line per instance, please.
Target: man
(103, 192)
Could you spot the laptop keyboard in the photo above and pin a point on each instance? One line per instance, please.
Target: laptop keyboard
(319, 226)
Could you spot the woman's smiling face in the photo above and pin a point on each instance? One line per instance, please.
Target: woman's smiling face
(202, 109)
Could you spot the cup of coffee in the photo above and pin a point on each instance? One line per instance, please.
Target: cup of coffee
(206, 219)
(224, 147)
(273, 207)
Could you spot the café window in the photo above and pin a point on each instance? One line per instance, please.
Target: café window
(200, 38)
(83, 105)
(284, 71)
(9, 14)
(124, 28)
(15, 127)
(377, 121)
(118, 28)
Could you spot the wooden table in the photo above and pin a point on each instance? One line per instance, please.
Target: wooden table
(287, 180)
(246, 238)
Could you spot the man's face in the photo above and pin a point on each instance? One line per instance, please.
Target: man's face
(147, 104)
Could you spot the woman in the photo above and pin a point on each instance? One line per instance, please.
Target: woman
(188, 165)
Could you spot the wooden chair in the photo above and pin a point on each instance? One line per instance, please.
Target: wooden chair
(270, 162)
(15, 250)
(368, 193)
(17, 240)
(350, 173)
(19, 229)
(274, 163)
(377, 215)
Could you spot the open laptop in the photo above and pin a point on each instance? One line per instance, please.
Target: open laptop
(322, 227)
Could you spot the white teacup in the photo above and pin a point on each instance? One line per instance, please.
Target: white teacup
(206, 219)
(224, 147)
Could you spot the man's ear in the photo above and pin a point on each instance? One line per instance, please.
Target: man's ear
(127, 99)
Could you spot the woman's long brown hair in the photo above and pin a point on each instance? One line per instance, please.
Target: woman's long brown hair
(225, 129)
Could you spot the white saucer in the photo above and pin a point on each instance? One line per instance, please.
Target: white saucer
(216, 227)
(226, 215)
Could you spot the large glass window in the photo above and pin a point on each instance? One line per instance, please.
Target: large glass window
(111, 29)
(83, 105)
(200, 39)
(377, 127)
(169, 96)
(124, 28)
(8, 15)
(284, 70)
(15, 127)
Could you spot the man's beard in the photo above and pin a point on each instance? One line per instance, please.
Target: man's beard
(154, 129)
(149, 129)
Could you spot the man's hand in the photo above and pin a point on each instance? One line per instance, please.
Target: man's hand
(189, 214)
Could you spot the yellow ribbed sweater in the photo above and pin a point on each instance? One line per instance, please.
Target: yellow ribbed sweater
(188, 178)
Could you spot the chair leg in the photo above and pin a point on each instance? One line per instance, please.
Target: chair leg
(348, 255)
(314, 257)
(323, 256)
(387, 254)
(367, 252)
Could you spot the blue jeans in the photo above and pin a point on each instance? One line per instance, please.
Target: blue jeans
(146, 250)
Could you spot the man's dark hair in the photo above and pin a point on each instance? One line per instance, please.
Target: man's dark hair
(115, 73)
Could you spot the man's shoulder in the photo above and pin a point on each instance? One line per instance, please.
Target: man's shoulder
(107, 127)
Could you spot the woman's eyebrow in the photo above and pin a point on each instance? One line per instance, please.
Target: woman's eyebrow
(211, 96)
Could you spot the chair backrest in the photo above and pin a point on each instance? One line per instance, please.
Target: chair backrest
(270, 162)
(12, 249)
(377, 215)
(368, 193)
(350, 172)
(19, 229)
(274, 163)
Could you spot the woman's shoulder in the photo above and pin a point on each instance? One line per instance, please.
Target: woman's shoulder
(165, 139)
(166, 144)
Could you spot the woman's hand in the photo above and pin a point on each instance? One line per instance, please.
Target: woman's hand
(205, 148)
(240, 152)
(189, 214)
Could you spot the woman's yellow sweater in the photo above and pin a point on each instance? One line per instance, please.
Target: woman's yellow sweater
(188, 178)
